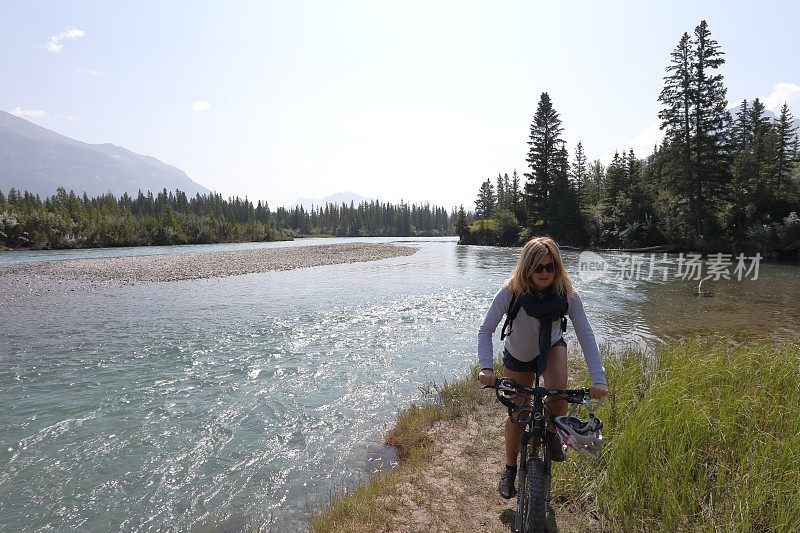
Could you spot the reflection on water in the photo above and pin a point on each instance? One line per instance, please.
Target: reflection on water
(214, 404)
(766, 307)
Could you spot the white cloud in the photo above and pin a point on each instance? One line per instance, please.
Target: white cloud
(28, 113)
(642, 144)
(201, 105)
(90, 72)
(783, 92)
(54, 44)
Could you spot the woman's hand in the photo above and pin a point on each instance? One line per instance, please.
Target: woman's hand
(598, 391)
(487, 377)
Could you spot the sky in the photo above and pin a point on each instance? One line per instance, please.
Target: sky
(414, 101)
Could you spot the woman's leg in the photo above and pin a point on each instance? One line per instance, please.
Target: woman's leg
(514, 431)
(555, 377)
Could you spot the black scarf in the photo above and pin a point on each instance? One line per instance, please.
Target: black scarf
(546, 307)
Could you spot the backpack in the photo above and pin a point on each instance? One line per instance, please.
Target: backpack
(513, 310)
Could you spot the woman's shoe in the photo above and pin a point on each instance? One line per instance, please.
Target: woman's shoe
(506, 484)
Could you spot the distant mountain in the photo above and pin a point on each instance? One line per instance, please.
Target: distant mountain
(337, 198)
(38, 160)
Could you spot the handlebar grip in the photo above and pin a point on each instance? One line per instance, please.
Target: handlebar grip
(577, 397)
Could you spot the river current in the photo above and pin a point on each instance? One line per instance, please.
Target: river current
(230, 403)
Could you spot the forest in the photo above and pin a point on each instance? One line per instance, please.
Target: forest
(66, 220)
(723, 180)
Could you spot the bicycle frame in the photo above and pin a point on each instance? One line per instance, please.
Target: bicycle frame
(533, 446)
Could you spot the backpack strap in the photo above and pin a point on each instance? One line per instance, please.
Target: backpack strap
(513, 310)
(511, 314)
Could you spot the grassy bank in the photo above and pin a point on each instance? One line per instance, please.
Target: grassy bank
(709, 439)
(705, 435)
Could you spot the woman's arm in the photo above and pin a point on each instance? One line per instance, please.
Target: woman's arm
(591, 353)
(489, 325)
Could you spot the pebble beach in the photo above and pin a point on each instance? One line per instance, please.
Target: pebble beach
(34, 278)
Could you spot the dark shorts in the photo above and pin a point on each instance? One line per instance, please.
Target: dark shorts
(530, 366)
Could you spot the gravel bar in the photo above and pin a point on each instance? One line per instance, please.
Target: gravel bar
(199, 265)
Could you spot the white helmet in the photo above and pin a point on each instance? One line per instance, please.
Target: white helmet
(579, 435)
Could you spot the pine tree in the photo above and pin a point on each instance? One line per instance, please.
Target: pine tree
(697, 127)
(614, 182)
(742, 130)
(461, 222)
(543, 160)
(786, 151)
(711, 126)
(595, 182)
(566, 222)
(501, 193)
(516, 197)
(763, 152)
(676, 97)
(579, 173)
(486, 200)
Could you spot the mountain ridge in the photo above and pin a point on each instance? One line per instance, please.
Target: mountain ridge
(39, 160)
(336, 198)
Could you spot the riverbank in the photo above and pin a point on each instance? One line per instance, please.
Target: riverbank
(33, 279)
(789, 255)
(682, 450)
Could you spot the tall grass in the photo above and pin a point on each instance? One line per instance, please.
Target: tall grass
(708, 438)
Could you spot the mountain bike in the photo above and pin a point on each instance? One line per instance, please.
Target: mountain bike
(533, 473)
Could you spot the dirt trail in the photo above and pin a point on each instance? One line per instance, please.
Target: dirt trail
(458, 491)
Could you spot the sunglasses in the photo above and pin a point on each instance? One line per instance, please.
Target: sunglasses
(549, 267)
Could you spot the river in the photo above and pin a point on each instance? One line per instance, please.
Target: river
(228, 403)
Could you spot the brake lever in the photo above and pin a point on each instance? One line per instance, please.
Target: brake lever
(592, 405)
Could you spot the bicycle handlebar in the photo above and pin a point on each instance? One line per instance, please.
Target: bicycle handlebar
(509, 385)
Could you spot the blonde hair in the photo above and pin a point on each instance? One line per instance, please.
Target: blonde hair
(532, 254)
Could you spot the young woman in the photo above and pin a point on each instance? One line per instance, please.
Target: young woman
(545, 294)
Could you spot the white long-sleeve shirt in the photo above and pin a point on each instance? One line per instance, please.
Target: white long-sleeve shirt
(523, 340)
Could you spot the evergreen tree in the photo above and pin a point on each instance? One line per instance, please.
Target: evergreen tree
(566, 221)
(697, 127)
(516, 198)
(543, 160)
(486, 200)
(786, 151)
(579, 173)
(742, 130)
(594, 183)
(763, 138)
(614, 182)
(711, 126)
(675, 115)
(501, 193)
(462, 228)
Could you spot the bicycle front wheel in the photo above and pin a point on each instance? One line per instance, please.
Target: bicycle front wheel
(535, 497)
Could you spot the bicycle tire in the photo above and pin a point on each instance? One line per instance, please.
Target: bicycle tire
(535, 498)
